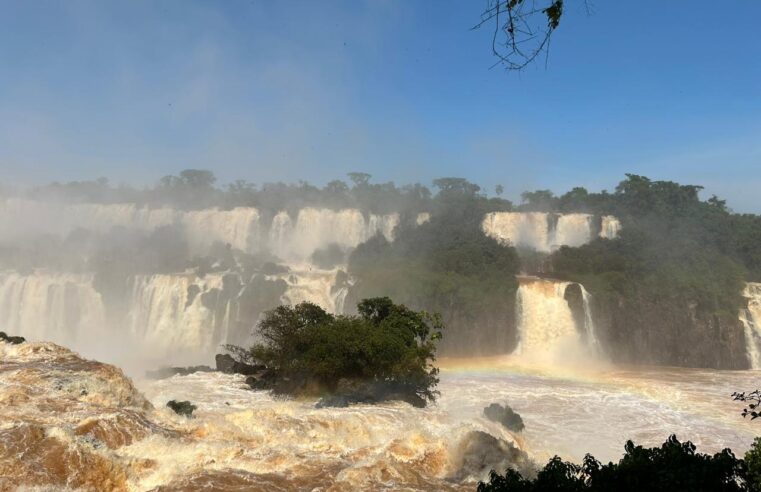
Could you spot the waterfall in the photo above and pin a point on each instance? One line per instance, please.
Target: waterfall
(177, 316)
(589, 322)
(751, 320)
(547, 329)
(238, 227)
(519, 229)
(544, 232)
(572, 230)
(314, 229)
(544, 316)
(610, 226)
(168, 314)
(63, 308)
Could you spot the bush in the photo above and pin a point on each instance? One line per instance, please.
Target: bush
(674, 466)
(309, 351)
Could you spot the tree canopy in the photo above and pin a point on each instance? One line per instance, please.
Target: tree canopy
(312, 351)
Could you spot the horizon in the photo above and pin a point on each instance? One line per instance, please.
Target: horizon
(268, 93)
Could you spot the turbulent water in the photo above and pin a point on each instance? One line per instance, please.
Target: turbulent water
(68, 423)
(545, 232)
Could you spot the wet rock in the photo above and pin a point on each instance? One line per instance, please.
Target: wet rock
(11, 339)
(182, 407)
(167, 372)
(505, 416)
(259, 382)
(227, 364)
(482, 452)
(349, 392)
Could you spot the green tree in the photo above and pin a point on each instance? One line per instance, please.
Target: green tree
(308, 350)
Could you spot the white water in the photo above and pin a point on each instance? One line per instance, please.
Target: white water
(533, 230)
(565, 413)
(610, 227)
(64, 308)
(751, 320)
(167, 323)
(547, 331)
(589, 322)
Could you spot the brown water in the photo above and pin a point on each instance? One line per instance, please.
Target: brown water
(66, 423)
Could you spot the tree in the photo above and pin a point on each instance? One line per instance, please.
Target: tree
(522, 29)
(309, 351)
(499, 190)
(543, 200)
(672, 466)
(359, 179)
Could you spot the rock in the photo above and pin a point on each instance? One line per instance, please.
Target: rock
(482, 452)
(349, 392)
(10, 339)
(505, 416)
(258, 383)
(182, 407)
(228, 365)
(167, 372)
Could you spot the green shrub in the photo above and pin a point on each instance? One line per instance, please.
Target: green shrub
(309, 351)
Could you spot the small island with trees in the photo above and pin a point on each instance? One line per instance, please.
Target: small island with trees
(385, 352)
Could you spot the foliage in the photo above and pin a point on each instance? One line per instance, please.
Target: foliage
(194, 189)
(385, 342)
(674, 466)
(521, 29)
(753, 400)
(447, 265)
(672, 245)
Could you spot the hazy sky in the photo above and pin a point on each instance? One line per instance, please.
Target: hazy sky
(267, 91)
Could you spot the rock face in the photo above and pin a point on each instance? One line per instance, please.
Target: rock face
(482, 452)
(228, 365)
(184, 408)
(639, 330)
(505, 416)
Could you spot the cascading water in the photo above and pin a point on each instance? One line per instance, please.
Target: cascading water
(314, 229)
(571, 230)
(527, 230)
(63, 308)
(238, 227)
(543, 232)
(159, 312)
(751, 320)
(306, 283)
(168, 315)
(547, 329)
(544, 316)
(589, 322)
(610, 227)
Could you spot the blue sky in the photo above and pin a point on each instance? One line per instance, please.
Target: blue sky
(269, 91)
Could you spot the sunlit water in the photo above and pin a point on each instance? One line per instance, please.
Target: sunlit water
(65, 421)
(572, 412)
(566, 413)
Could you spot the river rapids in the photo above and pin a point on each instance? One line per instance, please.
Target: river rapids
(67, 423)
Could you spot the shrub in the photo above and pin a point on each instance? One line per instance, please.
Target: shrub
(309, 351)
